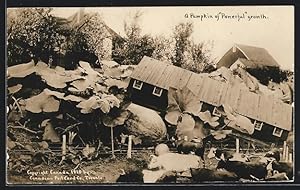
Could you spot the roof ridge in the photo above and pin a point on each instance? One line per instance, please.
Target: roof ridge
(251, 46)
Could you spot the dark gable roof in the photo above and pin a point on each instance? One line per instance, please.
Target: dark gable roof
(257, 56)
(262, 108)
(250, 56)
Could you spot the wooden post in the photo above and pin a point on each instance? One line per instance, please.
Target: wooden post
(63, 149)
(112, 142)
(287, 154)
(290, 158)
(129, 146)
(64, 145)
(284, 151)
(248, 148)
(237, 145)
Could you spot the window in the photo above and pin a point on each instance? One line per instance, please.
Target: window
(216, 112)
(137, 84)
(157, 91)
(258, 125)
(277, 132)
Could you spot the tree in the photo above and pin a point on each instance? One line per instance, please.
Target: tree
(181, 34)
(33, 33)
(94, 33)
(199, 58)
(136, 46)
(89, 40)
(163, 48)
(193, 56)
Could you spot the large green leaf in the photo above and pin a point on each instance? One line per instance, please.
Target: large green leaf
(126, 74)
(181, 101)
(206, 117)
(113, 121)
(49, 133)
(172, 117)
(87, 106)
(73, 98)
(187, 122)
(104, 103)
(104, 106)
(250, 81)
(185, 125)
(88, 69)
(114, 72)
(109, 64)
(46, 101)
(229, 112)
(14, 89)
(58, 77)
(244, 123)
(21, 70)
(112, 100)
(81, 85)
(220, 134)
(121, 84)
(173, 110)
(89, 79)
(186, 100)
(127, 67)
(199, 131)
(99, 89)
(237, 121)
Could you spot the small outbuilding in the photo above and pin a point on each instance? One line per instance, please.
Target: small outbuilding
(151, 80)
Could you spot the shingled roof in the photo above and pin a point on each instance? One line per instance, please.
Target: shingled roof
(252, 57)
(262, 108)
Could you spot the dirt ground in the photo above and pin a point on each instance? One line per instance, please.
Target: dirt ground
(99, 171)
(102, 170)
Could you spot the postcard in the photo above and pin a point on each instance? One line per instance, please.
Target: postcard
(143, 95)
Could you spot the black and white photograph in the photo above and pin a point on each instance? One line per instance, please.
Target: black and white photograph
(144, 95)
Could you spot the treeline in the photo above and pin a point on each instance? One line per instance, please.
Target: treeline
(35, 33)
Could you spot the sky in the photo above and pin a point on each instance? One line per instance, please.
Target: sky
(269, 27)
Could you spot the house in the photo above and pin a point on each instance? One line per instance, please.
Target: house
(151, 80)
(247, 57)
(111, 38)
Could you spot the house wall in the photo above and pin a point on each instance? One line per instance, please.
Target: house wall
(229, 58)
(236, 65)
(266, 134)
(145, 97)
